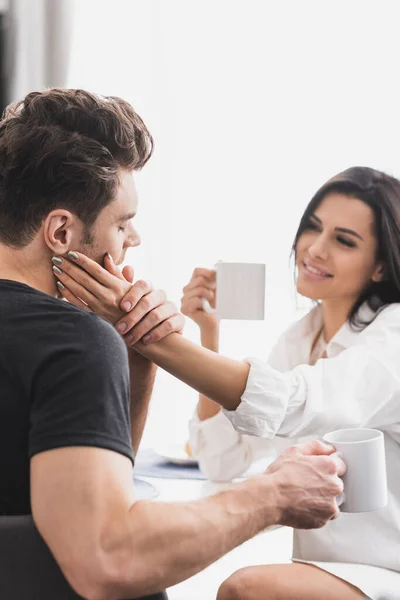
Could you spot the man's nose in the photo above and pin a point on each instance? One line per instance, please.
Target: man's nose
(133, 239)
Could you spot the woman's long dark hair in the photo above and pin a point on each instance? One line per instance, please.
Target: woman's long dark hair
(381, 192)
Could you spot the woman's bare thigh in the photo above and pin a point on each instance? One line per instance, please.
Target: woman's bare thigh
(296, 581)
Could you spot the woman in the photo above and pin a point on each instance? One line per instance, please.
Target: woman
(338, 367)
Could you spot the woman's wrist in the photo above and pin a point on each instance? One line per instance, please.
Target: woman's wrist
(206, 408)
(210, 337)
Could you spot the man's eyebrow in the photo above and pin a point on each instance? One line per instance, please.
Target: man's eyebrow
(342, 229)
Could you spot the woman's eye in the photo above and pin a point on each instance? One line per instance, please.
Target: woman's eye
(121, 228)
(311, 225)
(346, 242)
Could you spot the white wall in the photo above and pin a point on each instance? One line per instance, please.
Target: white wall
(253, 105)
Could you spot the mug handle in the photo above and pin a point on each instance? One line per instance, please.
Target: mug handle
(340, 499)
(206, 306)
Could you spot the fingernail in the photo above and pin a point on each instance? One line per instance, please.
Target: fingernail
(130, 340)
(60, 285)
(57, 260)
(126, 306)
(73, 255)
(109, 257)
(121, 327)
(57, 270)
(146, 338)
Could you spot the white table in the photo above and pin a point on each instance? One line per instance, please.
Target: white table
(272, 546)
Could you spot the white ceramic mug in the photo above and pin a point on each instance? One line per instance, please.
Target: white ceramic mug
(240, 291)
(363, 452)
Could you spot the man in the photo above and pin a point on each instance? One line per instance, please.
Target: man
(66, 163)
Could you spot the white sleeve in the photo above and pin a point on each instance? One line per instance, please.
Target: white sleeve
(358, 388)
(222, 452)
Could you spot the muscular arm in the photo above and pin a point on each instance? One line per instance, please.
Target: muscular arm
(110, 546)
(221, 379)
(142, 374)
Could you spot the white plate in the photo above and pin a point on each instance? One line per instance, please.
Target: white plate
(175, 453)
(144, 490)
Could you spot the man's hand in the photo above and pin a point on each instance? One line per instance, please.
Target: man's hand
(308, 483)
(148, 317)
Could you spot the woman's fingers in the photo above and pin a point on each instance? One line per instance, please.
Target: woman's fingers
(201, 280)
(199, 292)
(191, 306)
(207, 273)
(142, 305)
(93, 268)
(93, 282)
(71, 286)
(111, 267)
(72, 299)
(173, 324)
(133, 296)
(164, 314)
(128, 273)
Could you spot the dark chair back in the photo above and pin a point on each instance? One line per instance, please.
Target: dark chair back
(28, 570)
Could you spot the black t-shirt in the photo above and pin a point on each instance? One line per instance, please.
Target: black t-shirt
(64, 381)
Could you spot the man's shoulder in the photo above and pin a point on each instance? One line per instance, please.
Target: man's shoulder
(36, 320)
(84, 320)
(81, 327)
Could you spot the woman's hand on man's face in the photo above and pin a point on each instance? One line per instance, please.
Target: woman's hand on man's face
(137, 311)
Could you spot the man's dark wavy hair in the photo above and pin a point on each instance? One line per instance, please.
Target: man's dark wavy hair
(381, 192)
(64, 148)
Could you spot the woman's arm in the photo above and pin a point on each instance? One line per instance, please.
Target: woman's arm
(219, 378)
(207, 408)
(358, 388)
(203, 284)
(222, 452)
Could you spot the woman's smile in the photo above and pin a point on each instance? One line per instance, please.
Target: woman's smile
(313, 271)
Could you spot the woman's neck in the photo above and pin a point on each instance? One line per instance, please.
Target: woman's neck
(335, 314)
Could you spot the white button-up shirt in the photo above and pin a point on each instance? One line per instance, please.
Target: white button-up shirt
(286, 399)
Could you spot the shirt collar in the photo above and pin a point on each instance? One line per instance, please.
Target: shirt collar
(312, 322)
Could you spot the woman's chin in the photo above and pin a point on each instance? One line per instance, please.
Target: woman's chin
(307, 291)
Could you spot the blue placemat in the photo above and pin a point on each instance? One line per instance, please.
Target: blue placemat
(149, 464)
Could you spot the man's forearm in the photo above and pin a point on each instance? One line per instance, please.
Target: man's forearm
(142, 373)
(219, 378)
(175, 541)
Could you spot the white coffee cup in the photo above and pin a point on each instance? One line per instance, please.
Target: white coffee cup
(363, 452)
(240, 291)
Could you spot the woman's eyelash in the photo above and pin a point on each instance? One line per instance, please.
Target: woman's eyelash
(346, 242)
(340, 239)
(311, 225)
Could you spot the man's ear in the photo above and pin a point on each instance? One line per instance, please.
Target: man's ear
(379, 273)
(61, 229)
